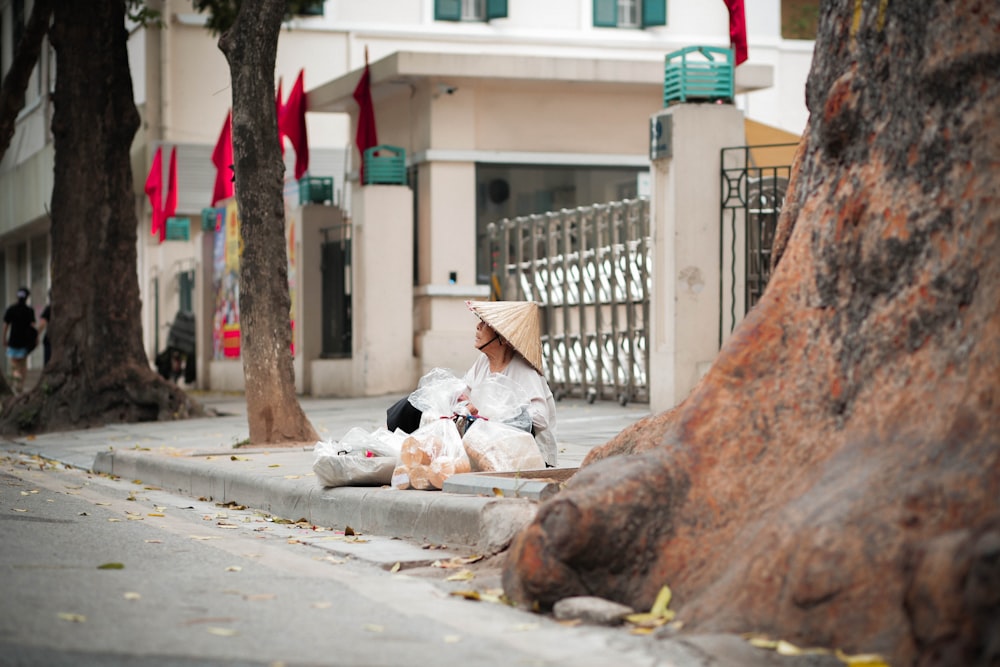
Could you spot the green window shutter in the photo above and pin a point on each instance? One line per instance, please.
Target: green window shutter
(496, 9)
(447, 10)
(654, 12)
(606, 13)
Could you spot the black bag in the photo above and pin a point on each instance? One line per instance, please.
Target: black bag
(403, 415)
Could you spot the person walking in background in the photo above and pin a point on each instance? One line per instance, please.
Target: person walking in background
(19, 337)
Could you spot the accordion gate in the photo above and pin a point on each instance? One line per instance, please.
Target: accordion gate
(589, 270)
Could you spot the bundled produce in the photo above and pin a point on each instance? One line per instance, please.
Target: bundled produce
(500, 439)
(433, 452)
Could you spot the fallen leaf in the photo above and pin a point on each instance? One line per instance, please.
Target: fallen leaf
(395, 568)
(156, 514)
(20, 509)
(322, 605)
(861, 660)
(234, 568)
(204, 537)
(348, 530)
(274, 465)
(451, 639)
(497, 492)
(464, 575)
(72, 618)
(662, 602)
(114, 520)
(111, 566)
(153, 541)
(222, 632)
(132, 596)
(371, 627)
(468, 595)
(293, 476)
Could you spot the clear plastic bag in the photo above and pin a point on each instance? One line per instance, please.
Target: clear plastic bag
(496, 447)
(380, 442)
(333, 467)
(500, 399)
(429, 456)
(437, 395)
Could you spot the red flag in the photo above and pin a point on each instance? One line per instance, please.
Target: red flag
(293, 125)
(279, 110)
(366, 136)
(737, 29)
(154, 189)
(170, 206)
(222, 158)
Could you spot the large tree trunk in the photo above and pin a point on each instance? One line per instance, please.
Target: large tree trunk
(273, 411)
(834, 478)
(98, 372)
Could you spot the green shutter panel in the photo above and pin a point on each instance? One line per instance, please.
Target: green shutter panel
(606, 13)
(447, 10)
(496, 9)
(654, 12)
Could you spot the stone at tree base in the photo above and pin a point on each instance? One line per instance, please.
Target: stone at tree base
(589, 609)
(833, 480)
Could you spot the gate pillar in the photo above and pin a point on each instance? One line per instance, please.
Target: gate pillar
(684, 303)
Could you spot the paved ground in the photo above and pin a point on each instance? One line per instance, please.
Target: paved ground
(201, 458)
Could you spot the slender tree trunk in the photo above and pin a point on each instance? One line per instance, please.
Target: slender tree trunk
(833, 480)
(15, 81)
(273, 410)
(98, 372)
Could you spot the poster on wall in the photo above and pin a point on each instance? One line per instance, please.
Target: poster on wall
(226, 280)
(226, 276)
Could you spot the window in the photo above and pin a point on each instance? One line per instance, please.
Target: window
(509, 191)
(469, 10)
(629, 13)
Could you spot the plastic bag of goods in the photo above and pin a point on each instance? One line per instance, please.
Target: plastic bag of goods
(496, 447)
(429, 456)
(500, 399)
(334, 466)
(380, 442)
(437, 395)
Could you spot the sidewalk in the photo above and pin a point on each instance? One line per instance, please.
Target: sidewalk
(199, 458)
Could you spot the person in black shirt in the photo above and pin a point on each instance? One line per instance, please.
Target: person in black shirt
(19, 337)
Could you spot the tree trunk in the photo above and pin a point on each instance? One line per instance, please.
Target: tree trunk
(98, 372)
(833, 480)
(273, 411)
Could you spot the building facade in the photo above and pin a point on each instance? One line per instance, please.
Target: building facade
(501, 108)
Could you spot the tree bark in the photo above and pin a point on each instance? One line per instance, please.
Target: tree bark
(98, 372)
(833, 480)
(273, 411)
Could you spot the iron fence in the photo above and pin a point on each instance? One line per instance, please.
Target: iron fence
(589, 270)
(752, 198)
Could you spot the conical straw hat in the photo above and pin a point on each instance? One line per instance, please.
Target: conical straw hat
(517, 322)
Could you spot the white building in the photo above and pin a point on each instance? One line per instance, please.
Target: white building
(551, 99)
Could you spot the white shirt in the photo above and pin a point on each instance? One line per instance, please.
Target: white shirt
(542, 406)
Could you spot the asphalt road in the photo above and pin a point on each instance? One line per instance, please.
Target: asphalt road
(95, 571)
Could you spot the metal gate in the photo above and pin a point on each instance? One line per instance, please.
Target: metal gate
(589, 270)
(337, 291)
(752, 198)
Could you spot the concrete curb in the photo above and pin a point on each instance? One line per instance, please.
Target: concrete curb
(485, 524)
